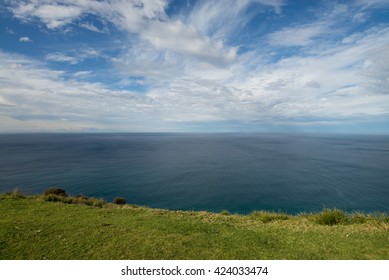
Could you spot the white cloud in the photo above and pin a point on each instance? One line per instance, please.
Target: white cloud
(73, 56)
(60, 57)
(333, 83)
(82, 74)
(91, 27)
(341, 84)
(368, 4)
(328, 24)
(192, 75)
(146, 18)
(213, 18)
(178, 37)
(9, 31)
(300, 35)
(37, 98)
(53, 15)
(89, 53)
(25, 40)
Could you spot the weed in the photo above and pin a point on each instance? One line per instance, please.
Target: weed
(331, 217)
(56, 191)
(52, 197)
(119, 200)
(96, 202)
(267, 217)
(16, 193)
(358, 218)
(225, 213)
(381, 217)
(81, 199)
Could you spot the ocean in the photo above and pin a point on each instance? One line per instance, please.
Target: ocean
(236, 172)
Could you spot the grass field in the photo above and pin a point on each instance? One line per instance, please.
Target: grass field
(35, 227)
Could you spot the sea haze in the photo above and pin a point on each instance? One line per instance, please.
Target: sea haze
(235, 172)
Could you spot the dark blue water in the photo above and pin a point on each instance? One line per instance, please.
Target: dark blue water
(235, 172)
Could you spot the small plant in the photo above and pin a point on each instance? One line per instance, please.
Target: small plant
(358, 218)
(381, 217)
(80, 199)
(91, 201)
(267, 217)
(16, 193)
(225, 213)
(331, 217)
(56, 191)
(119, 200)
(52, 198)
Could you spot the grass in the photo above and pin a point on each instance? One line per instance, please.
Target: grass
(35, 227)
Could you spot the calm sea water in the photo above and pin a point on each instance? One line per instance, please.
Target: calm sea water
(235, 172)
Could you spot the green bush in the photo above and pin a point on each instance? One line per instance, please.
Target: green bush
(225, 213)
(56, 191)
(119, 200)
(331, 217)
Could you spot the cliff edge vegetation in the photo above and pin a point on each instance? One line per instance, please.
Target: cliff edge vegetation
(55, 226)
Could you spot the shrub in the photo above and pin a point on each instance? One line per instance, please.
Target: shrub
(225, 213)
(331, 217)
(56, 191)
(119, 200)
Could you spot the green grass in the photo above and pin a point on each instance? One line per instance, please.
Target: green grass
(31, 227)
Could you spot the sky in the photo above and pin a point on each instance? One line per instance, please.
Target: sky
(194, 66)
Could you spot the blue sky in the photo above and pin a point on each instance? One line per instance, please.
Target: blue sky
(194, 66)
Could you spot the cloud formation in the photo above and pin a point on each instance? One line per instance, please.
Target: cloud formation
(146, 18)
(194, 68)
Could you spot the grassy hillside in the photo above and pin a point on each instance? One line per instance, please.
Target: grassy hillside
(44, 227)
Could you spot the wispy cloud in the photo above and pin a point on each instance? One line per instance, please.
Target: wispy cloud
(366, 4)
(53, 14)
(73, 56)
(60, 57)
(212, 18)
(302, 35)
(329, 23)
(35, 97)
(192, 72)
(9, 31)
(91, 27)
(148, 20)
